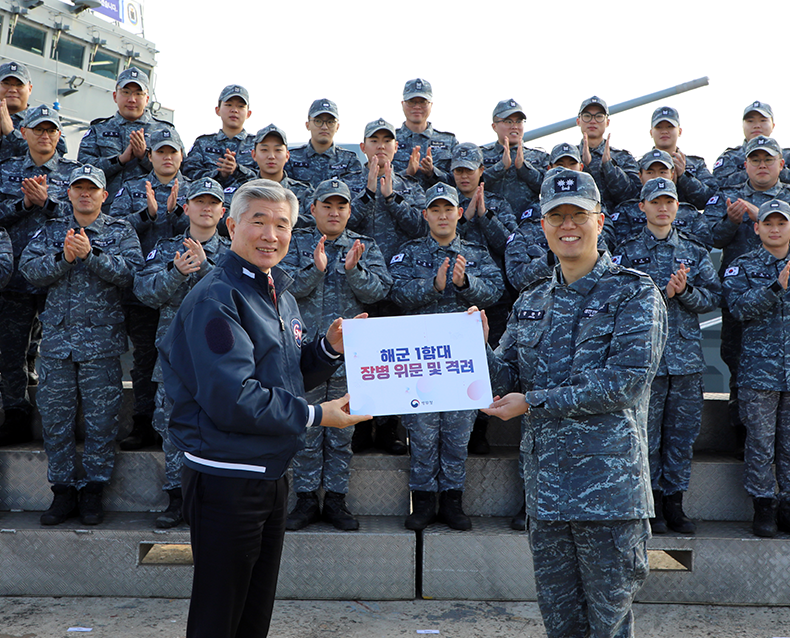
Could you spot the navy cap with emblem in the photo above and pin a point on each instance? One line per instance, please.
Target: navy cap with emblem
(165, 137)
(234, 90)
(564, 150)
(205, 186)
(564, 186)
(506, 108)
(467, 155)
(271, 129)
(665, 114)
(659, 186)
(441, 191)
(15, 70)
(763, 143)
(378, 125)
(656, 155)
(133, 75)
(43, 113)
(91, 173)
(593, 100)
(763, 108)
(330, 187)
(418, 88)
(321, 106)
(774, 206)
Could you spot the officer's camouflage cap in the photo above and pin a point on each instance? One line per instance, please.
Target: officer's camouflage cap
(594, 100)
(763, 108)
(564, 186)
(234, 90)
(378, 125)
(322, 105)
(91, 173)
(40, 114)
(665, 114)
(441, 191)
(418, 88)
(271, 129)
(205, 186)
(133, 75)
(651, 157)
(763, 143)
(15, 70)
(467, 155)
(774, 206)
(330, 187)
(564, 150)
(659, 186)
(505, 108)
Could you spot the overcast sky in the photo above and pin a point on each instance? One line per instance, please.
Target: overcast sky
(548, 57)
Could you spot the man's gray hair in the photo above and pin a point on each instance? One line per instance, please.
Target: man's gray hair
(267, 190)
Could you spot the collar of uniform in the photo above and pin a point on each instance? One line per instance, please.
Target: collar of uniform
(51, 163)
(18, 118)
(584, 284)
(342, 239)
(405, 132)
(330, 152)
(767, 258)
(651, 240)
(454, 246)
(145, 118)
(97, 226)
(499, 148)
(774, 190)
(239, 267)
(210, 246)
(220, 136)
(182, 183)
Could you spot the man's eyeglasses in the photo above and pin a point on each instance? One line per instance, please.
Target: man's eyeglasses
(589, 117)
(580, 218)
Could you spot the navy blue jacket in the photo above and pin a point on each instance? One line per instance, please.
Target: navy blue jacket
(236, 369)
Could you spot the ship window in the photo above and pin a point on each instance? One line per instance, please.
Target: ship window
(105, 64)
(69, 52)
(27, 37)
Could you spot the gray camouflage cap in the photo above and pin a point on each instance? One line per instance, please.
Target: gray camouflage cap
(205, 186)
(564, 150)
(507, 107)
(322, 105)
(594, 100)
(665, 114)
(378, 125)
(234, 90)
(271, 129)
(659, 186)
(15, 70)
(467, 155)
(441, 191)
(91, 173)
(763, 143)
(761, 107)
(774, 206)
(418, 88)
(330, 187)
(651, 157)
(133, 75)
(40, 114)
(165, 137)
(564, 186)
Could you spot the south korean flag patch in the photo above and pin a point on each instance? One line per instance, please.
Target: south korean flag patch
(617, 259)
(397, 258)
(718, 163)
(712, 200)
(732, 270)
(151, 255)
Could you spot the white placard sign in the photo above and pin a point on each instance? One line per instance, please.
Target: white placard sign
(417, 363)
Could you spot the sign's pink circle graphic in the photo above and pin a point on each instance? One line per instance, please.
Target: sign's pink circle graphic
(476, 390)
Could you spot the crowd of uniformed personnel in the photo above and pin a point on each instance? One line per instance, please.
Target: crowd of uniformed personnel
(103, 249)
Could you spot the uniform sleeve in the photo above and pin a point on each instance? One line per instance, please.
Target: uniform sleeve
(6, 259)
(503, 364)
(157, 282)
(725, 168)
(90, 153)
(722, 229)
(497, 227)
(370, 280)
(698, 187)
(748, 299)
(704, 293)
(41, 264)
(306, 276)
(620, 177)
(118, 269)
(410, 292)
(485, 288)
(13, 211)
(525, 263)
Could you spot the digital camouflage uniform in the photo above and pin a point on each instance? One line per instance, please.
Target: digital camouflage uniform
(675, 412)
(441, 144)
(729, 170)
(520, 187)
(82, 342)
(323, 297)
(302, 190)
(308, 165)
(628, 222)
(439, 440)
(697, 184)
(21, 302)
(6, 258)
(757, 300)
(585, 354)
(161, 285)
(14, 145)
(618, 179)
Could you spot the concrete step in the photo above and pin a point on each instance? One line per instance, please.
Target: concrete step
(125, 556)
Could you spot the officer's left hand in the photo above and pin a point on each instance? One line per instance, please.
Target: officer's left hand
(459, 271)
(677, 281)
(426, 163)
(227, 164)
(196, 248)
(753, 211)
(6, 123)
(414, 162)
(172, 199)
(386, 180)
(784, 276)
(506, 161)
(508, 406)
(353, 256)
(137, 143)
(80, 244)
(35, 190)
(520, 155)
(480, 194)
(679, 159)
(607, 153)
(335, 333)
(483, 319)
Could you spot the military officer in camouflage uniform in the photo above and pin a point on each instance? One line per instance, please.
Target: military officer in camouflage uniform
(225, 156)
(15, 90)
(32, 189)
(84, 260)
(511, 169)
(681, 266)
(320, 158)
(615, 172)
(423, 152)
(335, 272)
(695, 183)
(153, 205)
(628, 218)
(271, 154)
(171, 270)
(731, 214)
(582, 347)
(117, 145)
(729, 169)
(6, 258)
(441, 273)
(755, 287)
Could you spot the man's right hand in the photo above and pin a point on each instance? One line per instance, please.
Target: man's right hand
(335, 414)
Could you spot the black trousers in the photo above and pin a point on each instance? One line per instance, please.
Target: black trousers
(237, 528)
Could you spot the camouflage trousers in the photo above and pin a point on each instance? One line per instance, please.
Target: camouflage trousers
(673, 424)
(438, 449)
(141, 324)
(766, 415)
(731, 336)
(326, 456)
(587, 574)
(18, 312)
(97, 384)
(174, 458)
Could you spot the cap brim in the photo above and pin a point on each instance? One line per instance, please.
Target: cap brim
(90, 178)
(472, 166)
(659, 193)
(510, 112)
(427, 96)
(771, 151)
(647, 165)
(762, 112)
(672, 121)
(763, 217)
(582, 202)
(38, 121)
(225, 98)
(559, 157)
(437, 198)
(205, 192)
(18, 76)
(323, 198)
